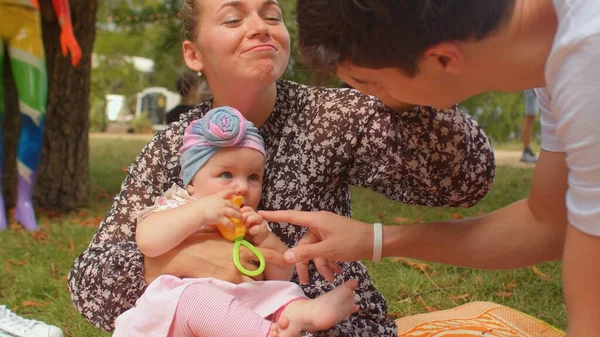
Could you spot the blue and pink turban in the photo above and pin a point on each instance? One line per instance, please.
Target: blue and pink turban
(219, 128)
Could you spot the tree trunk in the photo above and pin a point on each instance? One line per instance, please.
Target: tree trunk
(63, 177)
(10, 135)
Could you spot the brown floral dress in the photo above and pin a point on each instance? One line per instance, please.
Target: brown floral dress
(319, 142)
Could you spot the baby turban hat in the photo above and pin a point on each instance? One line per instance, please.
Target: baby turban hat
(220, 127)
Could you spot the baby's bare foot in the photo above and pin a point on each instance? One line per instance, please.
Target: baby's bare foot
(320, 313)
(274, 331)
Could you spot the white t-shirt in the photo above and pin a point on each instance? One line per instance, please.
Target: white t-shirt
(570, 107)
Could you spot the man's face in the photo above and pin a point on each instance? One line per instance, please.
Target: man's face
(396, 89)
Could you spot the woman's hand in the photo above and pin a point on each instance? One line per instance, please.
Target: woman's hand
(330, 238)
(206, 255)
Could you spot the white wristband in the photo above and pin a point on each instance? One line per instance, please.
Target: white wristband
(377, 241)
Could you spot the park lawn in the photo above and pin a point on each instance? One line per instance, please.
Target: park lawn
(34, 266)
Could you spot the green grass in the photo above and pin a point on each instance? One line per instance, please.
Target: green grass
(34, 267)
(517, 146)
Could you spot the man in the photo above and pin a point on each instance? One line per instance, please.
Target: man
(530, 112)
(192, 92)
(439, 52)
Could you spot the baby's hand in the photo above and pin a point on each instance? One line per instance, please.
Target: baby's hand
(257, 226)
(216, 209)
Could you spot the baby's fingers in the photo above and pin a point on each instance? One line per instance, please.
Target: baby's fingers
(233, 212)
(253, 219)
(257, 230)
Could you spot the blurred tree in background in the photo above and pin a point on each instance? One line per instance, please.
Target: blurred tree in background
(500, 114)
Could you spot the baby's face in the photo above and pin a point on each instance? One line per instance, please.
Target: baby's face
(236, 168)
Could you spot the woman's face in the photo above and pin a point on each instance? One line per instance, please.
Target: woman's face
(239, 40)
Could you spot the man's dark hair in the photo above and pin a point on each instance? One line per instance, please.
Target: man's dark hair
(390, 33)
(185, 82)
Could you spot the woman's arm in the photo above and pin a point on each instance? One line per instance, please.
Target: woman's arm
(108, 277)
(274, 271)
(423, 156)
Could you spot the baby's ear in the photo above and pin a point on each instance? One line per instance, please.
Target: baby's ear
(190, 189)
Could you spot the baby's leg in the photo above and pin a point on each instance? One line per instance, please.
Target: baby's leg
(320, 313)
(206, 311)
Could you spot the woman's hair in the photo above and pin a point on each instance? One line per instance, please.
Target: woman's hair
(186, 81)
(190, 10)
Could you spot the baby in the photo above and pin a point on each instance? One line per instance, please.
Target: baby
(222, 156)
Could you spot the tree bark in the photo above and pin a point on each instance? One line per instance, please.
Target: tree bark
(63, 177)
(10, 135)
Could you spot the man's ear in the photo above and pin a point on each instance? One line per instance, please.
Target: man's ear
(191, 55)
(445, 56)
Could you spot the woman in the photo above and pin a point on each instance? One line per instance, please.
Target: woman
(318, 141)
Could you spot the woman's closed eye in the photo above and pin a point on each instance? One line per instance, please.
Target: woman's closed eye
(232, 21)
(273, 19)
(226, 175)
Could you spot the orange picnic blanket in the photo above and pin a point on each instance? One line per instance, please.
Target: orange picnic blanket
(476, 319)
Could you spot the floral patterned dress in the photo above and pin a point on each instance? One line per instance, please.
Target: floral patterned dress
(319, 142)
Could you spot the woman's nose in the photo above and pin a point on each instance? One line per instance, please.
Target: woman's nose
(258, 26)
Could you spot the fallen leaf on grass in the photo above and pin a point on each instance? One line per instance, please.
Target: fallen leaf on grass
(7, 268)
(539, 273)
(478, 279)
(40, 237)
(394, 315)
(407, 262)
(18, 263)
(447, 284)
(399, 220)
(381, 216)
(460, 297)
(462, 276)
(50, 214)
(457, 216)
(71, 245)
(92, 222)
(504, 294)
(31, 304)
(45, 223)
(510, 286)
(428, 308)
(411, 311)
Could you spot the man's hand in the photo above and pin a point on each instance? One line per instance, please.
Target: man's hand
(330, 238)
